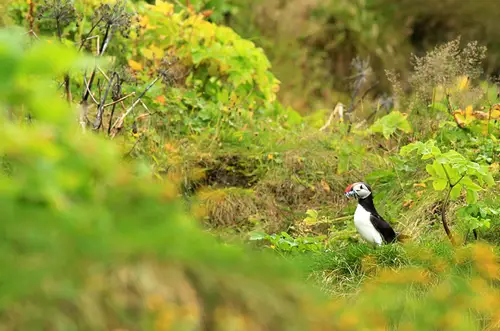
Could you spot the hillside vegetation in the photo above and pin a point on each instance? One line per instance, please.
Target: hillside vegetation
(161, 169)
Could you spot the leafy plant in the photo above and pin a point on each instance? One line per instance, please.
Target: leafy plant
(284, 243)
(452, 172)
(478, 216)
(391, 123)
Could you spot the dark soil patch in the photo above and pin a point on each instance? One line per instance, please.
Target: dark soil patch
(230, 171)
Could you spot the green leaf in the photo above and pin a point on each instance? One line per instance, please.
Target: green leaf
(455, 191)
(435, 151)
(430, 169)
(390, 123)
(256, 235)
(293, 117)
(490, 181)
(439, 170)
(472, 196)
(427, 156)
(439, 184)
(454, 157)
(439, 106)
(454, 174)
(408, 149)
(469, 184)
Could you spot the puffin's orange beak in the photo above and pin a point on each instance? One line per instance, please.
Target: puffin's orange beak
(349, 191)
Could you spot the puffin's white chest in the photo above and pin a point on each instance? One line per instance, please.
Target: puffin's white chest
(365, 227)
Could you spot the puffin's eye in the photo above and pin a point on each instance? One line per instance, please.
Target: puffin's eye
(362, 187)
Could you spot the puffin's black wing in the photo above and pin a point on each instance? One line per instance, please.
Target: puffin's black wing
(383, 228)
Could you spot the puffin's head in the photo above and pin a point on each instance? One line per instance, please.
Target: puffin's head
(360, 190)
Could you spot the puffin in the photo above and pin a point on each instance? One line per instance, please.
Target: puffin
(368, 222)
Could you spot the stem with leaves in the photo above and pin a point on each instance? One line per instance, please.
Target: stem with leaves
(451, 171)
(445, 204)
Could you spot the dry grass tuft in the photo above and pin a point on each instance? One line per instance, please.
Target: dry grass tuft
(228, 207)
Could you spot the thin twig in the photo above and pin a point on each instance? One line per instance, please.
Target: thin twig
(34, 34)
(119, 100)
(107, 37)
(100, 110)
(88, 34)
(364, 94)
(88, 91)
(116, 100)
(103, 73)
(100, 51)
(120, 120)
(144, 105)
(339, 109)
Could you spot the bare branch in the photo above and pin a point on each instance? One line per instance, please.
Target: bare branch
(339, 109)
(119, 122)
(89, 92)
(100, 110)
(119, 100)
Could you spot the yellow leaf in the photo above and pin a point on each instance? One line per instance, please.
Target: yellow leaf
(484, 129)
(158, 52)
(495, 112)
(134, 65)
(468, 112)
(459, 118)
(144, 22)
(223, 67)
(153, 52)
(164, 8)
(463, 82)
(147, 53)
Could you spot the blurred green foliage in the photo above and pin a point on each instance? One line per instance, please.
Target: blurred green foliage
(75, 218)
